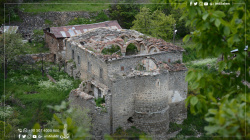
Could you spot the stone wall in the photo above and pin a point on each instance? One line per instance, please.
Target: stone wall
(177, 95)
(56, 46)
(100, 116)
(86, 60)
(144, 99)
(32, 58)
(33, 21)
(131, 62)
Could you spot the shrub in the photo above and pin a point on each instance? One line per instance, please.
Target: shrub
(46, 85)
(100, 101)
(64, 84)
(111, 50)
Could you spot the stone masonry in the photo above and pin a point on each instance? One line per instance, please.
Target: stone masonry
(146, 89)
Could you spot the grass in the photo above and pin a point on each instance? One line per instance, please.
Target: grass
(131, 133)
(20, 84)
(64, 5)
(35, 47)
(204, 62)
(46, 21)
(191, 127)
(101, 16)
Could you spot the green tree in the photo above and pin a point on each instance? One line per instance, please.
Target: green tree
(222, 94)
(10, 45)
(156, 24)
(124, 13)
(142, 22)
(176, 13)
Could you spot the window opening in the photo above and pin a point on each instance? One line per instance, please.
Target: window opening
(73, 53)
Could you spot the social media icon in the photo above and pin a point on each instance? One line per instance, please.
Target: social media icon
(195, 3)
(25, 130)
(34, 136)
(24, 136)
(39, 136)
(205, 3)
(29, 136)
(201, 4)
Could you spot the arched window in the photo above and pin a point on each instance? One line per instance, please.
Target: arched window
(131, 49)
(111, 49)
(153, 50)
(146, 64)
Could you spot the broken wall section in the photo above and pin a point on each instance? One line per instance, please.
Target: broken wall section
(127, 63)
(83, 64)
(178, 89)
(100, 116)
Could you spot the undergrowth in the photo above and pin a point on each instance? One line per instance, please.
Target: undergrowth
(131, 133)
(23, 91)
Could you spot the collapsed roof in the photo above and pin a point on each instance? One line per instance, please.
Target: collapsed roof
(97, 39)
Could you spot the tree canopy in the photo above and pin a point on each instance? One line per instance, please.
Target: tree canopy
(156, 24)
(222, 94)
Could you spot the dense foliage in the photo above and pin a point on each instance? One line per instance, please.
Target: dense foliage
(28, 98)
(10, 45)
(156, 23)
(221, 94)
(176, 13)
(124, 13)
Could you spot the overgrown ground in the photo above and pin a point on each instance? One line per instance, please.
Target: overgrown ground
(28, 93)
(64, 5)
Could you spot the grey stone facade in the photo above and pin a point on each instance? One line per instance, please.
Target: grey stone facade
(146, 90)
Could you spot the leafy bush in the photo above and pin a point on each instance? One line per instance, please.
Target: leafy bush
(231, 118)
(190, 54)
(111, 50)
(64, 84)
(77, 121)
(5, 130)
(46, 85)
(99, 101)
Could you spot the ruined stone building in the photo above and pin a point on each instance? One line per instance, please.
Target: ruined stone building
(142, 81)
(54, 36)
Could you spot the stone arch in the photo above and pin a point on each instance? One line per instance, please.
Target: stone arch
(147, 64)
(143, 48)
(128, 48)
(123, 37)
(153, 49)
(108, 44)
